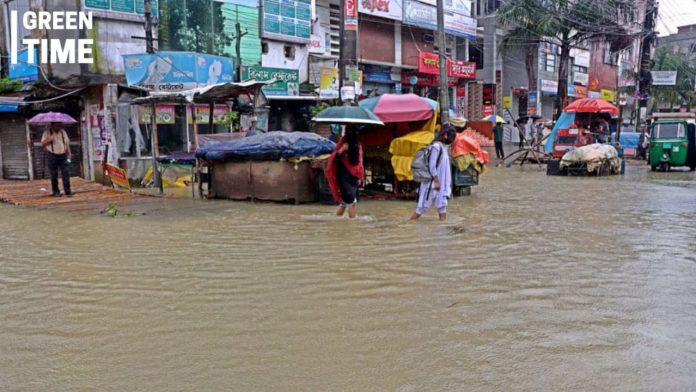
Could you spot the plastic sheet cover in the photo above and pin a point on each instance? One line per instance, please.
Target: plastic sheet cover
(268, 146)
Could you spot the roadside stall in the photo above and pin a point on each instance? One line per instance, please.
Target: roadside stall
(222, 93)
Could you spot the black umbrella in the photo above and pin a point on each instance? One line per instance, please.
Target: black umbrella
(523, 119)
(347, 115)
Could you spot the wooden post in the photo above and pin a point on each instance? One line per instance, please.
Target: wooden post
(30, 147)
(211, 106)
(155, 149)
(195, 125)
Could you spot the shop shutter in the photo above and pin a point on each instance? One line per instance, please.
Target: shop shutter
(13, 141)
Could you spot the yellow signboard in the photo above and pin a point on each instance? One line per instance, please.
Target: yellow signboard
(608, 95)
(328, 85)
(507, 102)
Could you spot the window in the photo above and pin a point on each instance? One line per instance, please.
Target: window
(611, 58)
(289, 52)
(264, 47)
(669, 130)
(578, 68)
(547, 62)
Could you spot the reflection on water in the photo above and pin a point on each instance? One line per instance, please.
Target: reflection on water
(534, 283)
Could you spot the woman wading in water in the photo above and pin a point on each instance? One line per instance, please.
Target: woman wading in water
(345, 171)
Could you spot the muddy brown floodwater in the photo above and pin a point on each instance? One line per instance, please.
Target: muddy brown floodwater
(535, 283)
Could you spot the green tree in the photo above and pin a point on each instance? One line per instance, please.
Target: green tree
(566, 23)
(189, 25)
(682, 93)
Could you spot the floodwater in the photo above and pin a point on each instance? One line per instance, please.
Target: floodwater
(534, 283)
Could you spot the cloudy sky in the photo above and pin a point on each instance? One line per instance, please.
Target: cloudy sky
(674, 13)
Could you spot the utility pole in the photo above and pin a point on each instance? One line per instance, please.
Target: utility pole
(212, 26)
(442, 45)
(348, 38)
(149, 47)
(238, 49)
(645, 78)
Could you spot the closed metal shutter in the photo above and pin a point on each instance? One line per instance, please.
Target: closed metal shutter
(13, 141)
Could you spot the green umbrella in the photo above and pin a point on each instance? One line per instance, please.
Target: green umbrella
(347, 115)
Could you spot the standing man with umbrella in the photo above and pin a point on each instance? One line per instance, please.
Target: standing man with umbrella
(57, 144)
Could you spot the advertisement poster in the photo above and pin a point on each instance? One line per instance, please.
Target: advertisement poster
(287, 80)
(328, 85)
(420, 14)
(351, 15)
(287, 20)
(203, 112)
(165, 114)
(176, 71)
(532, 103)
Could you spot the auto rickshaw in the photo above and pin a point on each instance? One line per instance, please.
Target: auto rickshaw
(672, 144)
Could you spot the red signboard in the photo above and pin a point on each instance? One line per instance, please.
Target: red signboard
(461, 69)
(489, 94)
(428, 63)
(351, 14)
(425, 79)
(487, 110)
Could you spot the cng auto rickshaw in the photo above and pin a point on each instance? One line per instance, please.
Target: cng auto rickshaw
(672, 144)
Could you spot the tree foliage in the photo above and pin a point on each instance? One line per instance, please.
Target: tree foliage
(566, 23)
(187, 25)
(682, 93)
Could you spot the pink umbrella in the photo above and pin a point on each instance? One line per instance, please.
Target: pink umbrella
(52, 117)
(398, 108)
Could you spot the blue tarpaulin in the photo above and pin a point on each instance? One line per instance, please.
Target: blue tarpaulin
(628, 139)
(564, 122)
(4, 108)
(268, 146)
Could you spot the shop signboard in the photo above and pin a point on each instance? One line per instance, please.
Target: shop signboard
(428, 63)
(460, 25)
(420, 14)
(23, 70)
(378, 74)
(165, 114)
(489, 94)
(462, 69)
(581, 78)
(608, 95)
(664, 78)
(287, 20)
(549, 86)
(328, 84)
(390, 9)
(531, 103)
(580, 57)
(507, 102)
(413, 78)
(176, 71)
(121, 6)
(287, 80)
(487, 110)
(460, 6)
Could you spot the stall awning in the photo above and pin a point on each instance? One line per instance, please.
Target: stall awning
(215, 93)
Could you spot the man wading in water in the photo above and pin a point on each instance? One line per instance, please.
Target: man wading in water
(57, 144)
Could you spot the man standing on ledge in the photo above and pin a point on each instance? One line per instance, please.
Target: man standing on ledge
(57, 144)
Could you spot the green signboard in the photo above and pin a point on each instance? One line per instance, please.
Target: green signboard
(123, 6)
(288, 20)
(98, 4)
(288, 80)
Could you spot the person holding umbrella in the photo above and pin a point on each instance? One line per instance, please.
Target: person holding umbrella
(57, 144)
(345, 171)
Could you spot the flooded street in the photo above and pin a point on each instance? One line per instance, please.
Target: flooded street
(533, 283)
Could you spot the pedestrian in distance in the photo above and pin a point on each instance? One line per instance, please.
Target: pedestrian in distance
(498, 132)
(345, 172)
(437, 191)
(57, 145)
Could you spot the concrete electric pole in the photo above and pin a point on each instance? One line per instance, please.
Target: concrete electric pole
(442, 45)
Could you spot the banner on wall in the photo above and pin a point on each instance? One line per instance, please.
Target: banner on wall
(350, 15)
(176, 71)
(220, 113)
